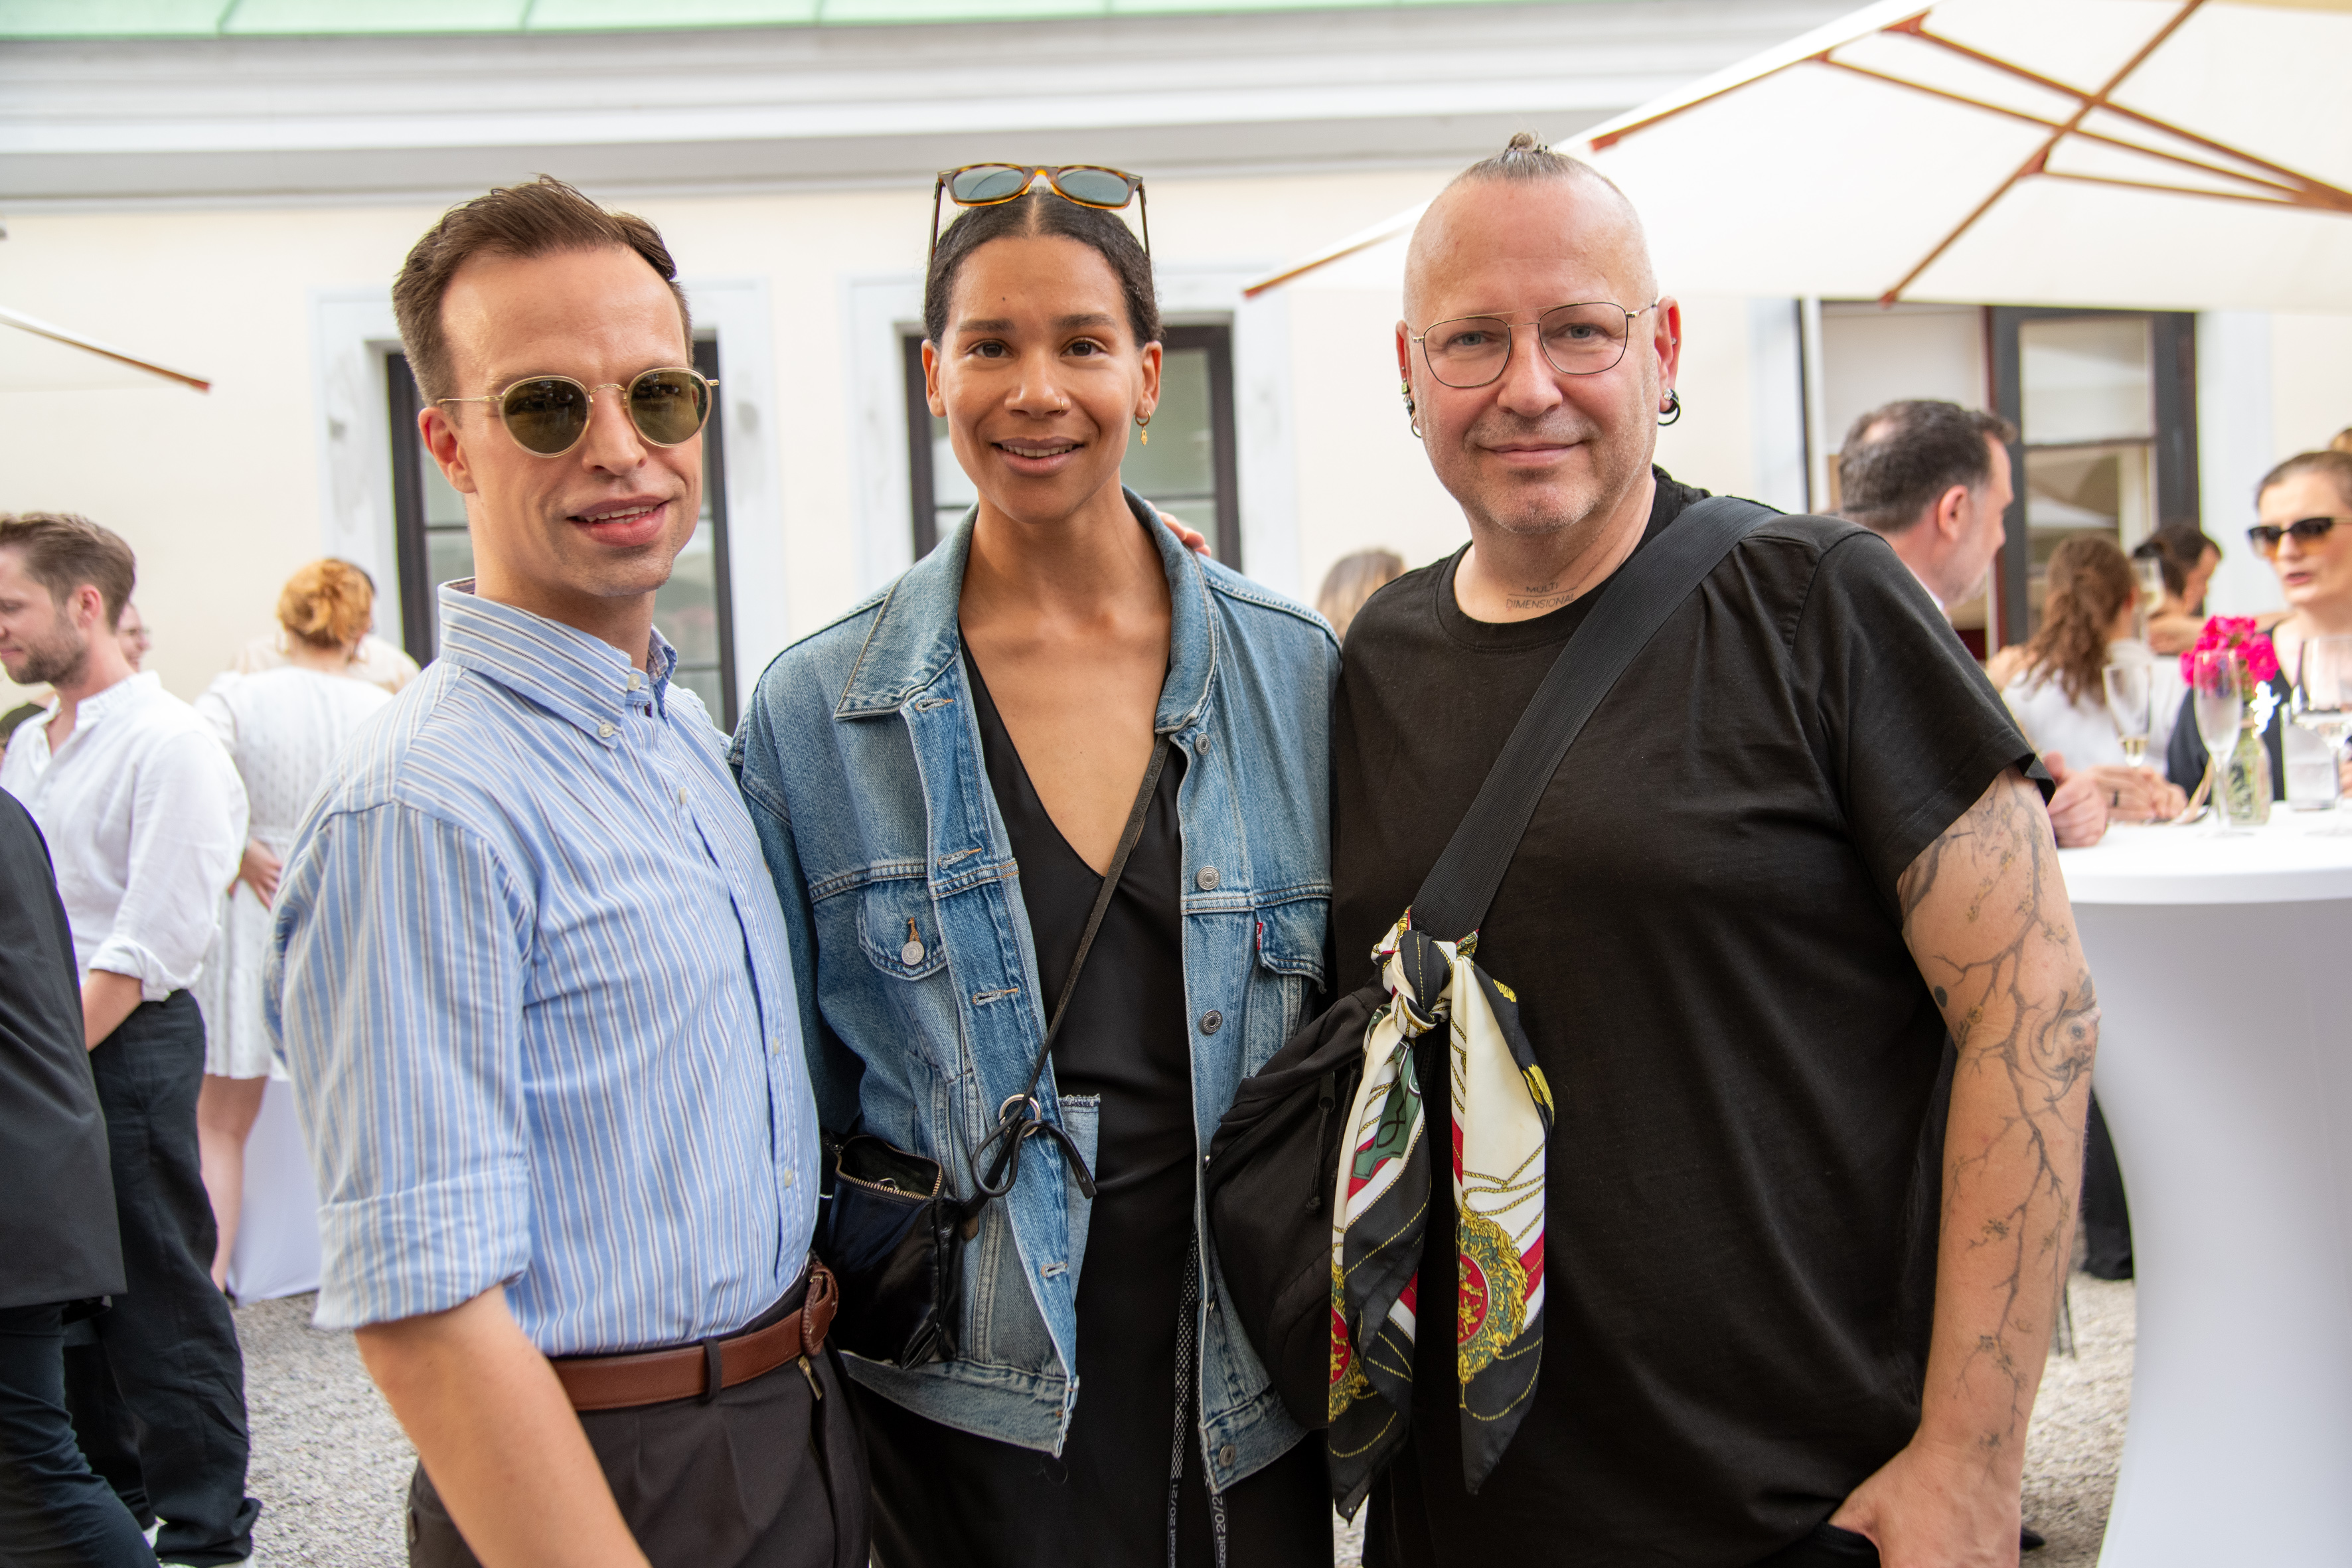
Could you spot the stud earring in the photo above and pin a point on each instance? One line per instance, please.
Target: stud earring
(1674, 409)
(1143, 422)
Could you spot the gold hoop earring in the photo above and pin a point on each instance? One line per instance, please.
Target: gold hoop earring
(1412, 414)
(1673, 411)
(1143, 422)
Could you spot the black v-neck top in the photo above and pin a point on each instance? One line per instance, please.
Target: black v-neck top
(1127, 1044)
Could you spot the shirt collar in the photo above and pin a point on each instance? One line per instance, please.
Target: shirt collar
(128, 692)
(576, 676)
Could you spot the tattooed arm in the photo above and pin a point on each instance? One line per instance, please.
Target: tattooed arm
(1986, 917)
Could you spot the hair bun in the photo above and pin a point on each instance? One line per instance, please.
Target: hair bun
(327, 604)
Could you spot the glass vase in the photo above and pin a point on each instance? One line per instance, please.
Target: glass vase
(2245, 781)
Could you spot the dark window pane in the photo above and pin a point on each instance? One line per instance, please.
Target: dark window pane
(1180, 461)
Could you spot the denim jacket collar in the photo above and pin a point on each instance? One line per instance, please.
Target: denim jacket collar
(914, 635)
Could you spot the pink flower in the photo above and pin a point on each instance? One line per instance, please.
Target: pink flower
(2240, 634)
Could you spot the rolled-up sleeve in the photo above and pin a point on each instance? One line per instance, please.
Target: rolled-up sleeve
(395, 989)
(187, 831)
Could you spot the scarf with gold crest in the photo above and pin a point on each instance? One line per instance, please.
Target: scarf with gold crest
(1502, 1115)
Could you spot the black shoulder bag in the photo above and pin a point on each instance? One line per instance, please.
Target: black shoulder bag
(1275, 1156)
(889, 1227)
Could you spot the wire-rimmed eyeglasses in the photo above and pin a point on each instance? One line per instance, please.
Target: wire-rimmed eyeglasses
(1575, 339)
(548, 415)
(994, 185)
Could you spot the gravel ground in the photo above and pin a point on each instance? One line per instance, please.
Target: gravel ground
(330, 1464)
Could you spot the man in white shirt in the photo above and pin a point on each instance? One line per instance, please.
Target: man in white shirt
(145, 816)
(1933, 479)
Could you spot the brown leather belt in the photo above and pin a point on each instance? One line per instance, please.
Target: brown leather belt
(698, 1372)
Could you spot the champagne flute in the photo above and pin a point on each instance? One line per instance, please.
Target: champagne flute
(2128, 695)
(2220, 704)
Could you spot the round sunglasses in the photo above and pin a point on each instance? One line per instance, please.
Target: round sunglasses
(994, 185)
(548, 415)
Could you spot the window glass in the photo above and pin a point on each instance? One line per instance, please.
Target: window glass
(2086, 378)
(1177, 470)
(2087, 388)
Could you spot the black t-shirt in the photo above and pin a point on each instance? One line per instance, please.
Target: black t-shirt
(1701, 929)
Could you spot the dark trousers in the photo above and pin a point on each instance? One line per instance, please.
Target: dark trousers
(767, 1475)
(54, 1512)
(158, 1400)
(2106, 1218)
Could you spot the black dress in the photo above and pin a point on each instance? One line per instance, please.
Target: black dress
(947, 1499)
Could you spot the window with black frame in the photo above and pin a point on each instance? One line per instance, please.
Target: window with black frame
(693, 609)
(2105, 404)
(1187, 468)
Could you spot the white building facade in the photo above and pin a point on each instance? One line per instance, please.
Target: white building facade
(232, 200)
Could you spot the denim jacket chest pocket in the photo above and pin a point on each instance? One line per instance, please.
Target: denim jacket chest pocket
(899, 928)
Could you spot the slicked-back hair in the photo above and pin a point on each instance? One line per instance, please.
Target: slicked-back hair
(2336, 465)
(1900, 459)
(542, 218)
(63, 551)
(1041, 213)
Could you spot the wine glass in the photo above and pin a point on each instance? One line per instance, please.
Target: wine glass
(2322, 700)
(2128, 697)
(2219, 700)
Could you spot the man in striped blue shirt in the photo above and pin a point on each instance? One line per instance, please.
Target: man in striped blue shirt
(532, 979)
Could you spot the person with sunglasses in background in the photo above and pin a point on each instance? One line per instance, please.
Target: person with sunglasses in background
(1048, 818)
(2306, 533)
(531, 981)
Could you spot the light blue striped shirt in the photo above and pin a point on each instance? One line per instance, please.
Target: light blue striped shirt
(531, 979)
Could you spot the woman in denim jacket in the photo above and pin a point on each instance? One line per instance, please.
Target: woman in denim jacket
(940, 780)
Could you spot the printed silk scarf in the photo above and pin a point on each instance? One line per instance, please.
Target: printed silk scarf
(1502, 1115)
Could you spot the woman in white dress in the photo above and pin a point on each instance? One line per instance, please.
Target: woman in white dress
(283, 727)
(2059, 691)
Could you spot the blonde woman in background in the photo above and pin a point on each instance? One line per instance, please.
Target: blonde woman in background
(370, 660)
(1352, 580)
(282, 727)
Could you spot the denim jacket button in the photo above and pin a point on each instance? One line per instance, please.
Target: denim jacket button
(1226, 1454)
(1207, 879)
(1212, 1021)
(911, 954)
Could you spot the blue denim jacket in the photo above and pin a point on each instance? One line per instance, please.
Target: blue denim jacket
(860, 757)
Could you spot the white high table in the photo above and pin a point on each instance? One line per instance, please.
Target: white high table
(2225, 976)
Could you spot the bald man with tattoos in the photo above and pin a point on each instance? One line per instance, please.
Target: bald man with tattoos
(1788, 941)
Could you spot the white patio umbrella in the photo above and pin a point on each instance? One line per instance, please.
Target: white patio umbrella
(2142, 153)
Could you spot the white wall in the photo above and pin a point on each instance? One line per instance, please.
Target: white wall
(223, 494)
(2267, 387)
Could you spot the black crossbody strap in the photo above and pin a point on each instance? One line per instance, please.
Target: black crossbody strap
(1020, 1118)
(1633, 606)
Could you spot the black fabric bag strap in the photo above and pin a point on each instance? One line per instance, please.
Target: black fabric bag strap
(1019, 1119)
(1633, 606)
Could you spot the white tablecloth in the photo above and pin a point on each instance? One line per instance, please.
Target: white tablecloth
(277, 1250)
(2225, 1072)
